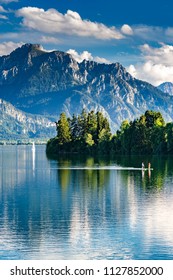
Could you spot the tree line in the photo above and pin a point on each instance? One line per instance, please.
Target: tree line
(90, 133)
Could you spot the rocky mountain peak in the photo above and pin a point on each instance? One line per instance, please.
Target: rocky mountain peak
(166, 87)
(28, 48)
(21, 58)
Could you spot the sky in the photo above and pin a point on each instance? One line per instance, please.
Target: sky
(137, 34)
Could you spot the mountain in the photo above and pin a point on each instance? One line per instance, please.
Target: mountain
(166, 88)
(16, 124)
(47, 83)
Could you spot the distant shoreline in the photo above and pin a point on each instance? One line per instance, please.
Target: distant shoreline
(23, 142)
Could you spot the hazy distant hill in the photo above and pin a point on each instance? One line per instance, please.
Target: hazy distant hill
(15, 124)
(47, 83)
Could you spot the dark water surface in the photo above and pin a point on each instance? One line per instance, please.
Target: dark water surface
(49, 211)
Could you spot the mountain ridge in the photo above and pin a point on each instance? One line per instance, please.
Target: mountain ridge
(46, 83)
(16, 124)
(166, 87)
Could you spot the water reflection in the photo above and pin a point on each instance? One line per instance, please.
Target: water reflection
(33, 159)
(48, 212)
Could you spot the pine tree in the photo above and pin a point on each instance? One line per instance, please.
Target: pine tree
(63, 130)
(169, 136)
(92, 125)
(103, 128)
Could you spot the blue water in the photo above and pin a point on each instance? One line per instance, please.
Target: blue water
(49, 211)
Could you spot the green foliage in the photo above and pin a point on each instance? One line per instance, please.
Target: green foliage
(90, 133)
(63, 130)
(87, 132)
(103, 128)
(169, 137)
(145, 135)
(89, 140)
(153, 119)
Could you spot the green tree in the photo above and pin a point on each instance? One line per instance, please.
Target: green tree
(140, 143)
(92, 125)
(169, 137)
(75, 128)
(88, 140)
(90, 132)
(103, 132)
(145, 135)
(153, 119)
(63, 130)
(82, 126)
(125, 135)
(155, 131)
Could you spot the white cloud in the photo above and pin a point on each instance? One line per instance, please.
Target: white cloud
(101, 60)
(132, 70)
(155, 74)
(3, 17)
(49, 39)
(164, 54)
(9, 36)
(126, 29)
(8, 47)
(29, 37)
(80, 56)
(2, 10)
(157, 67)
(87, 56)
(53, 22)
(149, 33)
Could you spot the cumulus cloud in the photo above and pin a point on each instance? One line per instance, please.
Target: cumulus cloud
(154, 74)
(87, 56)
(126, 29)
(8, 47)
(71, 23)
(161, 55)
(80, 56)
(157, 67)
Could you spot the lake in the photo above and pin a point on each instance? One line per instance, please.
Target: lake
(84, 207)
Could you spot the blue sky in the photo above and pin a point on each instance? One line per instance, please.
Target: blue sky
(138, 34)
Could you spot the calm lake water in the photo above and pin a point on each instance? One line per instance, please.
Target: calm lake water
(50, 211)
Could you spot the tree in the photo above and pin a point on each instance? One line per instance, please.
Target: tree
(63, 130)
(153, 119)
(75, 128)
(103, 132)
(124, 135)
(155, 131)
(145, 135)
(82, 126)
(169, 137)
(88, 140)
(90, 132)
(92, 125)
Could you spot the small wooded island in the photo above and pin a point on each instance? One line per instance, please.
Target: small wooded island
(90, 133)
